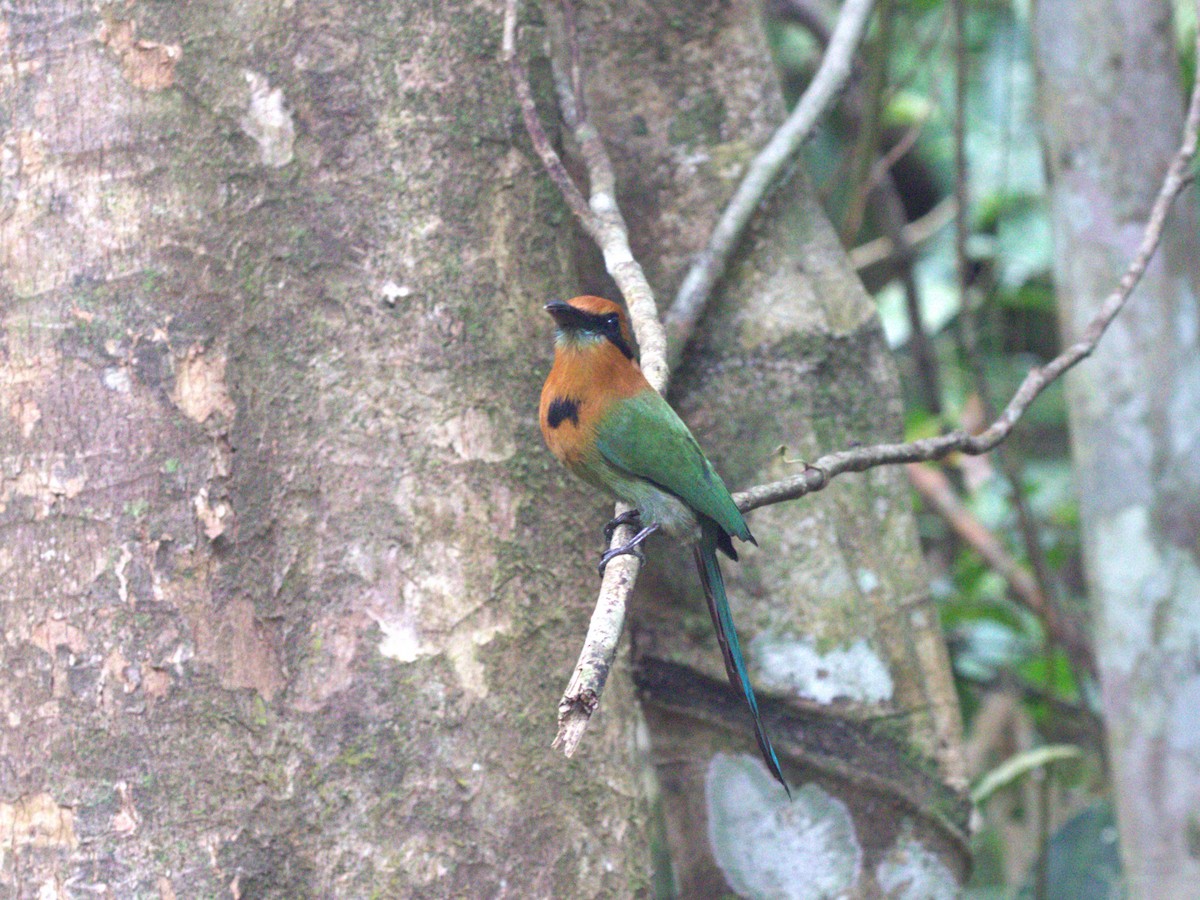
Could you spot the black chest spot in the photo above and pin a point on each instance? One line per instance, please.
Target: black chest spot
(562, 408)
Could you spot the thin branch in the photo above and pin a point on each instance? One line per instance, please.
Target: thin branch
(1007, 462)
(907, 141)
(935, 489)
(818, 474)
(611, 232)
(583, 691)
(869, 124)
(710, 265)
(533, 125)
(801, 13)
(572, 36)
(886, 200)
(962, 209)
(915, 233)
(601, 218)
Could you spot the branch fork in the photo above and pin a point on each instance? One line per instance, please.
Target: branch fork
(601, 217)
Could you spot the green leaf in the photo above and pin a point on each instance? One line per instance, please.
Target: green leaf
(1052, 674)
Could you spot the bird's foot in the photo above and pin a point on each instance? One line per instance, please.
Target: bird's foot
(609, 555)
(630, 547)
(629, 517)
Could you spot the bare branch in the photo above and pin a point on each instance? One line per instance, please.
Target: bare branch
(804, 14)
(868, 121)
(819, 473)
(598, 214)
(610, 231)
(935, 489)
(709, 266)
(1007, 462)
(582, 695)
(533, 125)
(887, 202)
(915, 233)
(601, 218)
(966, 315)
(907, 141)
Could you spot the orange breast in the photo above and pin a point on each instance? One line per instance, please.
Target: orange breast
(581, 386)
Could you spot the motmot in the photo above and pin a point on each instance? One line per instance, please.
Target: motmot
(608, 425)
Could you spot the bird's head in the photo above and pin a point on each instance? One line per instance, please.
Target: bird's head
(588, 321)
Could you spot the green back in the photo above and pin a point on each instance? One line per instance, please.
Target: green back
(644, 437)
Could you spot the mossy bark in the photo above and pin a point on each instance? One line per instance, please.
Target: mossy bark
(291, 588)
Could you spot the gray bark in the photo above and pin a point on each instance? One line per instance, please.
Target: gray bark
(1112, 110)
(290, 586)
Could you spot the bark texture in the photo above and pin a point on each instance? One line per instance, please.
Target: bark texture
(833, 605)
(290, 588)
(1112, 109)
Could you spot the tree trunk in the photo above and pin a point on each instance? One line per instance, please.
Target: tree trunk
(833, 606)
(291, 588)
(1111, 107)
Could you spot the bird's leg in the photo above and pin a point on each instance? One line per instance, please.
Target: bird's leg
(630, 547)
(629, 517)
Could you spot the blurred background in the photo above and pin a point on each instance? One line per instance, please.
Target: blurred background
(1002, 534)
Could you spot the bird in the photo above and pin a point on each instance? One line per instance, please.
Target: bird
(608, 425)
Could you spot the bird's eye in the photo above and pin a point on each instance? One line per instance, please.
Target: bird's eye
(611, 321)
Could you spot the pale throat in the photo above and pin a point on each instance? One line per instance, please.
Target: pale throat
(575, 340)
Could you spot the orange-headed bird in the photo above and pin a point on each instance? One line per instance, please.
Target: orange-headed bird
(605, 423)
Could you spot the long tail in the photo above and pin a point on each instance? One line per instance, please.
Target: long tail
(735, 666)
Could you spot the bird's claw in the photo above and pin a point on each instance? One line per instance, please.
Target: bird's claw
(629, 517)
(609, 555)
(632, 546)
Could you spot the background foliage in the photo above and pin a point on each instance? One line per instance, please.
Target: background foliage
(1034, 741)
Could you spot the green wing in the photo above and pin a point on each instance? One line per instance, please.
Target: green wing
(643, 436)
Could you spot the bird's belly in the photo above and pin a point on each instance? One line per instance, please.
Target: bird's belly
(665, 510)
